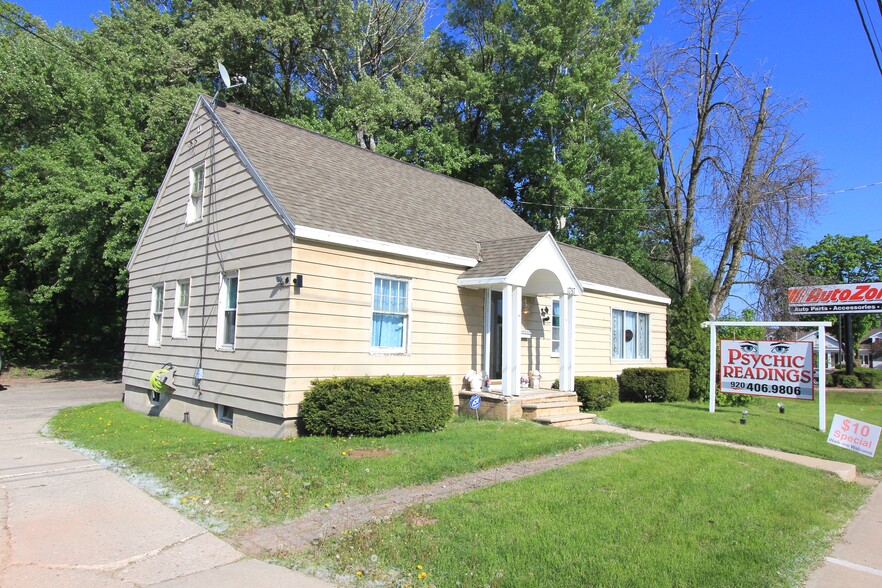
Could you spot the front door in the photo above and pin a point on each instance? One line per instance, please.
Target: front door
(495, 335)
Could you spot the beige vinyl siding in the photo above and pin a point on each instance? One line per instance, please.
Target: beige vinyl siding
(240, 231)
(331, 318)
(593, 336)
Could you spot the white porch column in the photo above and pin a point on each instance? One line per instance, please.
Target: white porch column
(567, 372)
(488, 329)
(511, 340)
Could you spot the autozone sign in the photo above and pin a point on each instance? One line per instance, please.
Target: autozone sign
(836, 299)
(781, 369)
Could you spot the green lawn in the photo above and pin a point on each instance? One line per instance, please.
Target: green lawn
(795, 431)
(669, 514)
(247, 481)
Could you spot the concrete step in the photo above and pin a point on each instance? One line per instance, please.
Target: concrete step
(533, 410)
(566, 420)
(546, 397)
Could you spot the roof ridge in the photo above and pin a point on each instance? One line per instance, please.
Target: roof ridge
(360, 149)
(594, 252)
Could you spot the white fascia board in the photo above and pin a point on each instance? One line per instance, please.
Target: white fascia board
(530, 263)
(324, 236)
(162, 186)
(626, 293)
(479, 282)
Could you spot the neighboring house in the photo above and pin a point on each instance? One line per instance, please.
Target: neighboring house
(273, 256)
(833, 350)
(869, 350)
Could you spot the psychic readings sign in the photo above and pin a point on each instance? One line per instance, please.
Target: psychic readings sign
(780, 369)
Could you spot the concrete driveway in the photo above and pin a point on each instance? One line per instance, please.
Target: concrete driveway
(66, 521)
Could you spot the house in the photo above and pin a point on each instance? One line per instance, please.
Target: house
(273, 256)
(833, 351)
(871, 349)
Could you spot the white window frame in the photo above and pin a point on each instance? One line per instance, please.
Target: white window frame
(645, 333)
(157, 310)
(405, 336)
(223, 309)
(196, 196)
(555, 312)
(181, 319)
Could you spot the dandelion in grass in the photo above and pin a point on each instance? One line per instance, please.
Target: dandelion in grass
(422, 576)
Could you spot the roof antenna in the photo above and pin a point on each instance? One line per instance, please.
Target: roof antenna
(225, 80)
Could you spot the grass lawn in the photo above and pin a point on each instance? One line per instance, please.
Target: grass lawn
(668, 514)
(246, 481)
(795, 431)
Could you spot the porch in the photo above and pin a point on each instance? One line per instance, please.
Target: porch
(546, 406)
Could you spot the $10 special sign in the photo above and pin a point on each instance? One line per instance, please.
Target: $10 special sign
(782, 369)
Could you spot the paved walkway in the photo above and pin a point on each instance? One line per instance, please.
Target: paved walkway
(67, 521)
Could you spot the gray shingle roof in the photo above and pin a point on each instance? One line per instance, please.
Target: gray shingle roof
(607, 271)
(499, 257)
(327, 184)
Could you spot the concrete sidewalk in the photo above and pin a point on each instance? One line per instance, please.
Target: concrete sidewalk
(67, 521)
(857, 559)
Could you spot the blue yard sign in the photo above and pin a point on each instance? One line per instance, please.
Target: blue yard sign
(474, 403)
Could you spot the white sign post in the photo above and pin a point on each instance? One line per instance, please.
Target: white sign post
(854, 435)
(822, 385)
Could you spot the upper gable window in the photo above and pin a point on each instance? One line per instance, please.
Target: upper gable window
(195, 202)
(391, 315)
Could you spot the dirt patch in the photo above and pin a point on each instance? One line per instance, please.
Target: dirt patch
(359, 453)
(302, 532)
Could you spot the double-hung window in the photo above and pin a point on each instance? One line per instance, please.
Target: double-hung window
(630, 335)
(182, 309)
(555, 328)
(391, 315)
(154, 336)
(227, 309)
(197, 190)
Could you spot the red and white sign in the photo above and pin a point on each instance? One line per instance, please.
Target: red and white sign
(854, 435)
(836, 299)
(781, 369)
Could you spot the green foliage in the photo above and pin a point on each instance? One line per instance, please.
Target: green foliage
(654, 385)
(596, 393)
(862, 378)
(377, 406)
(689, 342)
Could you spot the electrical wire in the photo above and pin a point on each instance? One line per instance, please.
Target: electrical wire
(857, 3)
(48, 41)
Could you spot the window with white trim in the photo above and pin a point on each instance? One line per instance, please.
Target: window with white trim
(154, 336)
(182, 309)
(391, 315)
(630, 335)
(228, 306)
(555, 328)
(195, 201)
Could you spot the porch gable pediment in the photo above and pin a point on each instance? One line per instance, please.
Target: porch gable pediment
(534, 263)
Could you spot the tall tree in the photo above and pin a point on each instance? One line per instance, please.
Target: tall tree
(729, 167)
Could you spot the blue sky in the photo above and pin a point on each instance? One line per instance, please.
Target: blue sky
(815, 49)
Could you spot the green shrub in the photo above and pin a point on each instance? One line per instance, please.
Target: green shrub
(847, 381)
(688, 342)
(828, 381)
(869, 377)
(654, 384)
(596, 393)
(376, 406)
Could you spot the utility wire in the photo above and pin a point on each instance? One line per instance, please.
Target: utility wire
(47, 41)
(857, 3)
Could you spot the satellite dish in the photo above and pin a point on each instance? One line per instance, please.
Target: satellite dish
(225, 76)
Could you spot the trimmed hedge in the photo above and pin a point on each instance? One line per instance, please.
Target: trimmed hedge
(596, 393)
(867, 378)
(654, 384)
(847, 381)
(376, 406)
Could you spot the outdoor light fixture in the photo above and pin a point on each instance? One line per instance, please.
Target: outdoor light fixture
(744, 418)
(781, 408)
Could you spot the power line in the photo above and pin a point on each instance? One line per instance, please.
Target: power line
(857, 3)
(47, 41)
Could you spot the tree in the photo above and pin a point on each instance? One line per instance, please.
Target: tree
(689, 342)
(727, 161)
